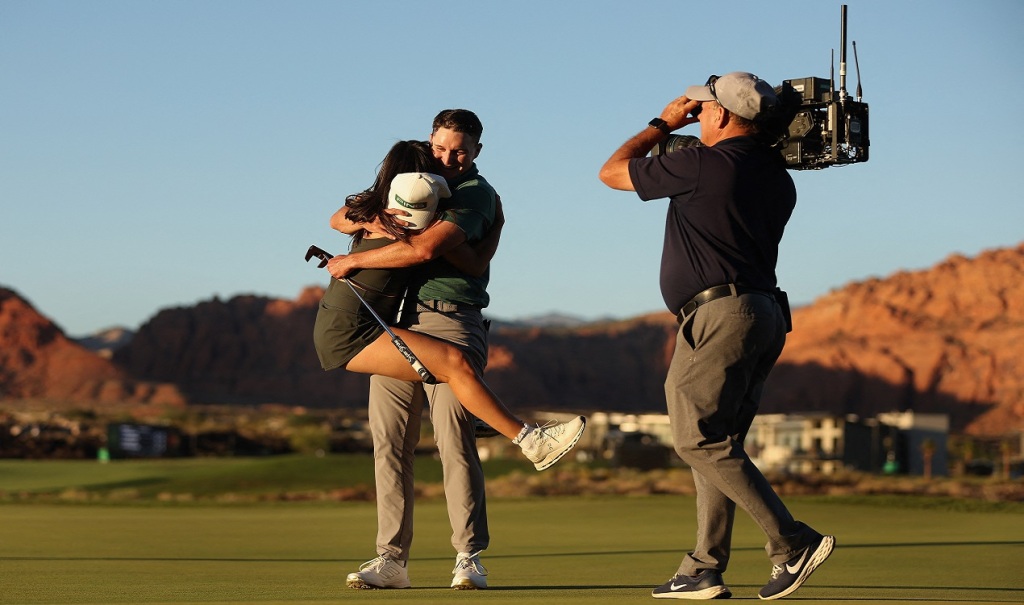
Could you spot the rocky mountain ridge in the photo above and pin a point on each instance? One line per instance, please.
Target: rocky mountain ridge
(944, 339)
(39, 362)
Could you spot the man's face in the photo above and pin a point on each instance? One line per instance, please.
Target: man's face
(708, 117)
(455, 151)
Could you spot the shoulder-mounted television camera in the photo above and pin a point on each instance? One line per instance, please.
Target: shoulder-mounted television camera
(815, 125)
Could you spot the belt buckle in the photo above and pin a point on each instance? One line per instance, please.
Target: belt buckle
(705, 296)
(440, 306)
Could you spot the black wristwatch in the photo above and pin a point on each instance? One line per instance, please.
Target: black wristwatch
(661, 125)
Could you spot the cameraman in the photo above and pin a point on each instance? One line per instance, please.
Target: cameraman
(730, 200)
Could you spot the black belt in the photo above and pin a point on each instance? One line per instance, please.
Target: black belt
(716, 292)
(446, 307)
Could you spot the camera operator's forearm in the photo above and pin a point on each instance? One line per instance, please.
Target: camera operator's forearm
(615, 172)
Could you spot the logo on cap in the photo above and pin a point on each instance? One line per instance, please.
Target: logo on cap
(413, 205)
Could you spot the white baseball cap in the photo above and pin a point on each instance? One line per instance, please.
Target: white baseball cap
(742, 93)
(418, 194)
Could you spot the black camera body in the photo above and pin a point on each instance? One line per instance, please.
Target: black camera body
(814, 126)
(829, 128)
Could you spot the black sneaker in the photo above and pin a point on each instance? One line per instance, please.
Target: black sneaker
(786, 578)
(707, 584)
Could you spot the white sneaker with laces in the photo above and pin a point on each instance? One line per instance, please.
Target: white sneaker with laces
(382, 572)
(470, 574)
(545, 445)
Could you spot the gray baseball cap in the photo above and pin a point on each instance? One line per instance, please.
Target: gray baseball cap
(742, 93)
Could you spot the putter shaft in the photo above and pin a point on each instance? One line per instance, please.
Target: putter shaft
(396, 340)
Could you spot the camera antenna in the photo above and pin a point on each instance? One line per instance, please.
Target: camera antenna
(830, 126)
(856, 64)
(842, 56)
(832, 75)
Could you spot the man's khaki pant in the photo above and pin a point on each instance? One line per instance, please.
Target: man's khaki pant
(724, 353)
(395, 413)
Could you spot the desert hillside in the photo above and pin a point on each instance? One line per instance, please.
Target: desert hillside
(38, 361)
(945, 339)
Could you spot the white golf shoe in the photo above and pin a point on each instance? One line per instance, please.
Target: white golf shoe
(470, 574)
(381, 572)
(545, 445)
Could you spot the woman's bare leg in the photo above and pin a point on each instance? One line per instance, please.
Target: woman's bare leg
(448, 365)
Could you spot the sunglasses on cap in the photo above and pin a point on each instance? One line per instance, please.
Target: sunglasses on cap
(711, 88)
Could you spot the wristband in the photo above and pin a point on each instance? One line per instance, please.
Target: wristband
(661, 125)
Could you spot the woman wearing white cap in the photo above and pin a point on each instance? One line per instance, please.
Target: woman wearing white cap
(347, 335)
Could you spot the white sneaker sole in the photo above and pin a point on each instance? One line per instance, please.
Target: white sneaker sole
(555, 456)
(823, 551)
(361, 584)
(468, 584)
(708, 593)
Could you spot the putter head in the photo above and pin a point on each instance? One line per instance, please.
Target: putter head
(320, 253)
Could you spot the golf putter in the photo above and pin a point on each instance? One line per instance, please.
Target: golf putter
(396, 340)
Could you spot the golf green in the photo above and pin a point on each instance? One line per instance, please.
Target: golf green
(610, 549)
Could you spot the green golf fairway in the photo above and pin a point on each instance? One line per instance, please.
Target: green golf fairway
(544, 550)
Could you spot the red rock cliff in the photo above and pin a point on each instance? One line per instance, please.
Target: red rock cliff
(946, 339)
(37, 361)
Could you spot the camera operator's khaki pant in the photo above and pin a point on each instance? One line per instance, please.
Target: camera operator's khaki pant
(724, 352)
(395, 414)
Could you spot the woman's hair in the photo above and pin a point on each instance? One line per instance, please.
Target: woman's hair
(363, 207)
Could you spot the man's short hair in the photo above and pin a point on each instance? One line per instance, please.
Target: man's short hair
(751, 126)
(459, 120)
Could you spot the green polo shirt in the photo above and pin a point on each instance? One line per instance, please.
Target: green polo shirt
(471, 208)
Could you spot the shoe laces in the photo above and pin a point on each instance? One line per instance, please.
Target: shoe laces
(544, 429)
(375, 564)
(470, 561)
(536, 431)
(776, 571)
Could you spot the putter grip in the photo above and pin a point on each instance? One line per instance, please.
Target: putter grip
(424, 373)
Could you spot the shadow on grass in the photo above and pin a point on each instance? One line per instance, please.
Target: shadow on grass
(851, 591)
(125, 484)
(600, 553)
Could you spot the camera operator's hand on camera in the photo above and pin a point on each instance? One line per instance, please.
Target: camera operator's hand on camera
(677, 113)
(615, 171)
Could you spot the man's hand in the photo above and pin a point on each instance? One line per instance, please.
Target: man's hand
(399, 215)
(677, 113)
(615, 172)
(342, 265)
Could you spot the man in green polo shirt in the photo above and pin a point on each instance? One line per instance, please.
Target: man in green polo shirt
(446, 303)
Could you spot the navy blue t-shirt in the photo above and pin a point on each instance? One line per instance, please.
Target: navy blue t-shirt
(729, 205)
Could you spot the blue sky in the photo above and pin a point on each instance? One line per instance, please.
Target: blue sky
(156, 153)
